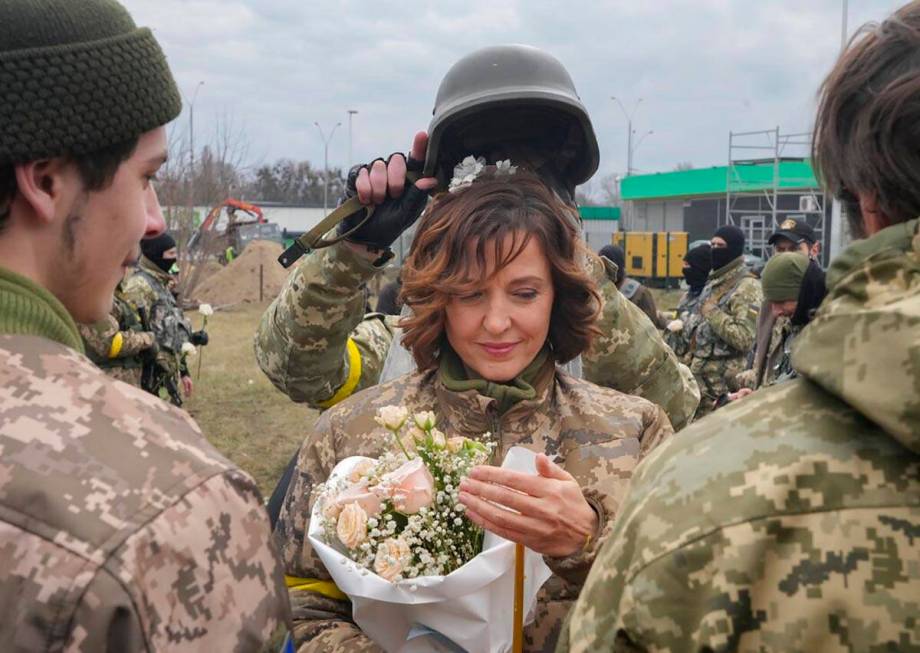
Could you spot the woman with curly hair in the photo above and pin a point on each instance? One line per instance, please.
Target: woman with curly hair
(499, 300)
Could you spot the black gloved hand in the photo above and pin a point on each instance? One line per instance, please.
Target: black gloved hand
(199, 338)
(390, 218)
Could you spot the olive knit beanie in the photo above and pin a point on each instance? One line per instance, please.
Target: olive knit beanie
(77, 76)
(782, 276)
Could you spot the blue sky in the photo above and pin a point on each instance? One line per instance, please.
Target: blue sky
(701, 67)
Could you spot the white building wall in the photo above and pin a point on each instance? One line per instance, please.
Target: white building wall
(599, 232)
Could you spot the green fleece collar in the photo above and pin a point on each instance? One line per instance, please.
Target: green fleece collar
(28, 309)
(457, 377)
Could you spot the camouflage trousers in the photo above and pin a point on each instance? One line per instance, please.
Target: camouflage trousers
(715, 377)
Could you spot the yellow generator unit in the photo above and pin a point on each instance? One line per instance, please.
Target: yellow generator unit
(655, 258)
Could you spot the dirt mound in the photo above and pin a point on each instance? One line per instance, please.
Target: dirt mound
(239, 281)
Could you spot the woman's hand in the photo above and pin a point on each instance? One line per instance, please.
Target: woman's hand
(550, 514)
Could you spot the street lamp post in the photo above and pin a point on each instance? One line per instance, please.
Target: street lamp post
(191, 130)
(326, 142)
(351, 113)
(629, 131)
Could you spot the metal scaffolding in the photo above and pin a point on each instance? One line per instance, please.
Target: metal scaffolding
(758, 202)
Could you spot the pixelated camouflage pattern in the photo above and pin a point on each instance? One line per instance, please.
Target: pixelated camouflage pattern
(724, 331)
(121, 528)
(149, 291)
(598, 434)
(301, 341)
(128, 365)
(787, 521)
(775, 365)
(688, 312)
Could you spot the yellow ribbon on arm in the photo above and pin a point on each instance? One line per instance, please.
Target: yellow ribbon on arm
(354, 375)
(325, 587)
(118, 342)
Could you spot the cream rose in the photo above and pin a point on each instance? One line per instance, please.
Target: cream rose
(392, 557)
(392, 417)
(455, 444)
(410, 486)
(425, 420)
(352, 525)
(675, 325)
(439, 439)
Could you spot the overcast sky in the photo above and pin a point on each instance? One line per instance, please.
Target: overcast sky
(701, 67)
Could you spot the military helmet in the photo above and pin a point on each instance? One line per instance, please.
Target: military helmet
(507, 100)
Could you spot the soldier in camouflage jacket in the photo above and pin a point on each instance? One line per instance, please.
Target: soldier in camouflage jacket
(598, 435)
(788, 521)
(317, 345)
(121, 528)
(149, 290)
(800, 533)
(118, 344)
(722, 333)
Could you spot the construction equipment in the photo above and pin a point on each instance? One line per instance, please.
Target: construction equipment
(654, 258)
(230, 226)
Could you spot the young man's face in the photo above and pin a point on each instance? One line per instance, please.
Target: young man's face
(102, 231)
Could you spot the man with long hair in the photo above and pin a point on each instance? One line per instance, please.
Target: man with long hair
(788, 521)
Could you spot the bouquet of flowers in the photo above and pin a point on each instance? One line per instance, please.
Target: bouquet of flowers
(393, 536)
(400, 516)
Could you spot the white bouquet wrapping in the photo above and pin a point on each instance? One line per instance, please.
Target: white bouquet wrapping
(469, 609)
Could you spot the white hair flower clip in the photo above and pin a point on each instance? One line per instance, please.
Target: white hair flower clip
(466, 172)
(504, 168)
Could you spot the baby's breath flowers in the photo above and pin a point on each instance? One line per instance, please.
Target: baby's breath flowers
(419, 528)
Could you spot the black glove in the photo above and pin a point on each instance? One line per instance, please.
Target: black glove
(199, 338)
(390, 218)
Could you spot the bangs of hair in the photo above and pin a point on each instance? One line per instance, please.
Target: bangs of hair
(497, 215)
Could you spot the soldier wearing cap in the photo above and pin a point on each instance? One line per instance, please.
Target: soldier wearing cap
(121, 528)
(788, 521)
(795, 235)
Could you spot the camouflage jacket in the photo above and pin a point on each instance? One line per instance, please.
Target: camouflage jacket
(787, 521)
(121, 528)
(688, 312)
(317, 345)
(774, 364)
(598, 435)
(724, 331)
(148, 291)
(115, 343)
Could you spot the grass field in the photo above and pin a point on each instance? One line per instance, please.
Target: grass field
(236, 406)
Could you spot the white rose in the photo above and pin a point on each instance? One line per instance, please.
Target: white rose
(352, 525)
(675, 325)
(392, 557)
(206, 310)
(392, 417)
(188, 349)
(425, 420)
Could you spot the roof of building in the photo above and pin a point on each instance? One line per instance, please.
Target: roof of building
(599, 212)
(715, 181)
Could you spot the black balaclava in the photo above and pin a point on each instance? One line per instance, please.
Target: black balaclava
(734, 239)
(616, 254)
(700, 261)
(811, 295)
(153, 249)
